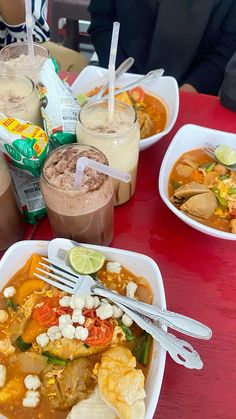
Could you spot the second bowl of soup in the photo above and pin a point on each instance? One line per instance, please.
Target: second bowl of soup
(197, 188)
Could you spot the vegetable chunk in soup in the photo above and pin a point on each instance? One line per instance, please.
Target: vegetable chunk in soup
(205, 190)
(57, 349)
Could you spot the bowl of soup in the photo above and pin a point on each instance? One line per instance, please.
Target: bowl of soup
(48, 368)
(196, 187)
(157, 106)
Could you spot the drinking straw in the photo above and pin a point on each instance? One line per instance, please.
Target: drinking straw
(103, 168)
(29, 27)
(111, 68)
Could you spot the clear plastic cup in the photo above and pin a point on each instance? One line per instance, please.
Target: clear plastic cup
(19, 98)
(11, 225)
(14, 58)
(86, 213)
(119, 141)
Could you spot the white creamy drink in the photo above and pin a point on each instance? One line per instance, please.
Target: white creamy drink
(20, 99)
(15, 60)
(118, 141)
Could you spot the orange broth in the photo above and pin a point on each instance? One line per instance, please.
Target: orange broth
(157, 111)
(201, 158)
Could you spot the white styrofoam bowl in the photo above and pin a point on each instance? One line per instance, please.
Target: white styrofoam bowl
(17, 255)
(164, 87)
(190, 137)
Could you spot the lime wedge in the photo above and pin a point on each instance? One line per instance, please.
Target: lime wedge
(85, 261)
(81, 99)
(226, 155)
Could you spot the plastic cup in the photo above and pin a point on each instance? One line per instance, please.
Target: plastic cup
(84, 214)
(11, 225)
(15, 59)
(20, 99)
(120, 144)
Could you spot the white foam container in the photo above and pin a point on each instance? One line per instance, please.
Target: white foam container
(164, 87)
(17, 255)
(190, 137)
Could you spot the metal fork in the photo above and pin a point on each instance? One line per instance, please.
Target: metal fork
(179, 350)
(154, 74)
(210, 150)
(63, 279)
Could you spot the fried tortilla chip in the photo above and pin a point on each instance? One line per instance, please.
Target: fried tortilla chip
(121, 386)
(92, 408)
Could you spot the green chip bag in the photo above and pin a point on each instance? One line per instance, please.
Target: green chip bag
(25, 144)
(25, 147)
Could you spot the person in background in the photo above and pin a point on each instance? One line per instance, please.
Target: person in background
(13, 29)
(228, 87)
(191, 39)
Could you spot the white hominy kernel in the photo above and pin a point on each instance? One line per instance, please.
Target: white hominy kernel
(42, 340)
(3, 375)
(33, 402)
(31, 394)
(117, 312)
(64, 320)
(68, 331)
(65, 301)
(77, 301)
(81, 319)
(3, 316)
(114, 267)
(32, 399)
(131, 289)
(81, 333)
(9, 292)
(96, 302)
(32, 382)
(77, 313)
(104, 301)
(54, 333)
(89, 302)
(127, 321)
(104, 311)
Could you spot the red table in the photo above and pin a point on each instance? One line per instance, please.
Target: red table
(198, 271)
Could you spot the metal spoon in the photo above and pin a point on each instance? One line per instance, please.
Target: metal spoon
(125, 66)
(154, 74)
(176, 321)
(179, 350)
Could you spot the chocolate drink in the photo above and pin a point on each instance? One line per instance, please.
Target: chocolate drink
(11, 225)
(84, 214)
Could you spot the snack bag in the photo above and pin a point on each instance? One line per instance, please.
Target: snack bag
(59, 108)
(25, 147)
(29, 195)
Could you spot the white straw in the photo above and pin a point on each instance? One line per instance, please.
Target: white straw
(29, 27)
(103, 168)
(111, 68)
